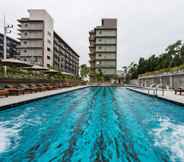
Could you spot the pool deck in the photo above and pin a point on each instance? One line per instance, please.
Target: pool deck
(167, 95)
(11, 101)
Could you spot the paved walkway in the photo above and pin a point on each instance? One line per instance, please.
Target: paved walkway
(166, 94)
(13, 100)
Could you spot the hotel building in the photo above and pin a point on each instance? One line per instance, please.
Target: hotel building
(39, 43)
(103, 49)
(12, 44)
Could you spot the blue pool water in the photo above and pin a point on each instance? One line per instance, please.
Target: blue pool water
(102, 124)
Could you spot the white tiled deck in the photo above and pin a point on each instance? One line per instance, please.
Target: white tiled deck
(167, 95)
(12, 100)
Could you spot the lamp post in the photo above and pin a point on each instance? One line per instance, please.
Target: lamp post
(6, 31)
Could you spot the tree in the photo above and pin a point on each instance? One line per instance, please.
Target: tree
(84, 71)
(173, 56)
(99, 75)
(132, 71)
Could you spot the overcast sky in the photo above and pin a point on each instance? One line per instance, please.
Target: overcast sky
(145, 27)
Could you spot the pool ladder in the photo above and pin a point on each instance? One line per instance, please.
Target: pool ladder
(155, 91)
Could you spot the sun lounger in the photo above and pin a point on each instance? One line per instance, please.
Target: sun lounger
(66, 84)
(180, 90)
(42, 87)
(27, 88)
(13, 90)
(4, 92)
(48, 86)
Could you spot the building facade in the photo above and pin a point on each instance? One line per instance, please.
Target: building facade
(103, 49)
(40, 45)
(12, 44)
(65, 58)
(36, 37)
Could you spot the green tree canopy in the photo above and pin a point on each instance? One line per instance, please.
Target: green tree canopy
(84, 71)
(172, 56)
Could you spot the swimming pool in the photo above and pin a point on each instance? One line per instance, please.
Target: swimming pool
(93, 124)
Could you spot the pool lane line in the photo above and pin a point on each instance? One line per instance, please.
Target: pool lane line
(154, 96)
(84, 152)
(52, 129)
(120, 137)
(61, 153)
(139, 117)
(78, 129)
(156, 155)
(34, 148)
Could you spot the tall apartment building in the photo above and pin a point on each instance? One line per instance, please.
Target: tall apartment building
(36, 37)
(103, 48)
(12, 44)
(42, 46)
(65, 58)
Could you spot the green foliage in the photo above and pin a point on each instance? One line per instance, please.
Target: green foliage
(173, 56)
(84, 71)
(99, 76)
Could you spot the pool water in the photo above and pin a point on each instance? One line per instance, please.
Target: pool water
(97, 124)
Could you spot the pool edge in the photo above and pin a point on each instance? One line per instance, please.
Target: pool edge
(12, 105)
(161, 98)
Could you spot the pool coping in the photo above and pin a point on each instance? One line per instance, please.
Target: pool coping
(156, 96)
(36, 96)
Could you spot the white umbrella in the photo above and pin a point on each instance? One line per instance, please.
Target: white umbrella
(65, 73)
(14, 62)
(36, 68)
(52, 71)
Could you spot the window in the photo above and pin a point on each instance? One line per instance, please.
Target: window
(36, 59)
(100, 32)
(49, 41)
(99, 47)
(49, 33)
(48, 49)
(25, 42)
(25, 51)
(25, 33)
(98, 62)
(48, 57)
(25, 25)
(100, 40)
(99, 55)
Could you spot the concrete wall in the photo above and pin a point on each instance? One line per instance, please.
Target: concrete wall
(34, 34)
(134, 82)
(36, 14)
(102, 32)
(109, 48)
(105, 56)
(105, 63)
(171, 82)
(107, 71)
(105, 41)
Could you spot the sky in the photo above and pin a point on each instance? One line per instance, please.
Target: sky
(145, 27)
